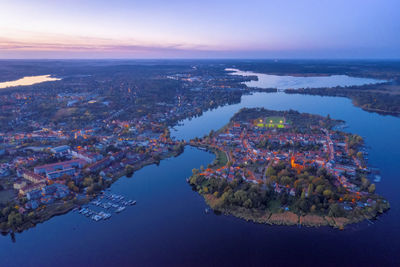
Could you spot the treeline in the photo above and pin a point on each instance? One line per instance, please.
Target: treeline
(314, 192)
(371, 69)
(370, 101)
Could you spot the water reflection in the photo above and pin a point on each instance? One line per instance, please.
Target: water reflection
(28, 80)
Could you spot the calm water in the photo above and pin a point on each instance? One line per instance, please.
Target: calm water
(292, 82)
(28, 80)
(168, 226)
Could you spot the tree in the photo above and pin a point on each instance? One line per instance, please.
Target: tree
(88, 181)
(364, 183)
(319, 189)
(313, 208)
(310, 189)
(327, 193)
(71, 185)
(270, 171)
(14, 219)
(129, 170)
(90, 189)
(371, 188)
(240, 197)
(248, 203)
(303, 194)
(179, 148)
(6, 211)
(286, 180)
(335, 210)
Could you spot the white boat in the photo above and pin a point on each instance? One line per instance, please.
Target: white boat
(377, 178)
(120, 209)
(96, 218)
(104, 215)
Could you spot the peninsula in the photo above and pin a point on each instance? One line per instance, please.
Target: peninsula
(285, 167)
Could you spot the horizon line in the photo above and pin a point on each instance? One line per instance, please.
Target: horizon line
(203, 58)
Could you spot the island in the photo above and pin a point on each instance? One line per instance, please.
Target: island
(287, 168)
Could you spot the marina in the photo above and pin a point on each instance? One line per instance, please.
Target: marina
(102, 207)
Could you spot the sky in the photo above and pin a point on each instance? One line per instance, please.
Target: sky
(326, 29)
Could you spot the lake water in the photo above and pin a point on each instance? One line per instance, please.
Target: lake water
(28, 80)
(168, 226)
(292, 82)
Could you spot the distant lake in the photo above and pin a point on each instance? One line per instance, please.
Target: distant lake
(28, 80)
(294, 82)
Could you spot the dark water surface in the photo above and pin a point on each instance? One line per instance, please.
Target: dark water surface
(168, 226)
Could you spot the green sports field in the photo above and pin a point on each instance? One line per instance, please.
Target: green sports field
(272, 122)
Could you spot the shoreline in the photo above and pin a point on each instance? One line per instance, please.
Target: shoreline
(286, 218)
(268, 214)
(64, 208)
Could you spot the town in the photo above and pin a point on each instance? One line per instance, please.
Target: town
(64, 142)
(297, 162)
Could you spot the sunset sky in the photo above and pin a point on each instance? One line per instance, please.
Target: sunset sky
(200, 29)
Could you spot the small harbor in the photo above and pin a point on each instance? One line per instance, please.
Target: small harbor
(104, 206)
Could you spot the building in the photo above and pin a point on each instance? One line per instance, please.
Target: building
(29, 188)
(31, 176)
(61, 150)
(88, 157)
(19, 184)
(50, 168)
(59, 173)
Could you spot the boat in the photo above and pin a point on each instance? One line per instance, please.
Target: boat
(377, 178)
(104, 215)
(96, 217)
(120, 209)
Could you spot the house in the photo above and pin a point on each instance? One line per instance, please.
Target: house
(29, 188)
(19, 184)
(86, 156)
(59, 173)
(31, 176)
(34, 194)
(4, 171)
(101, 164)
